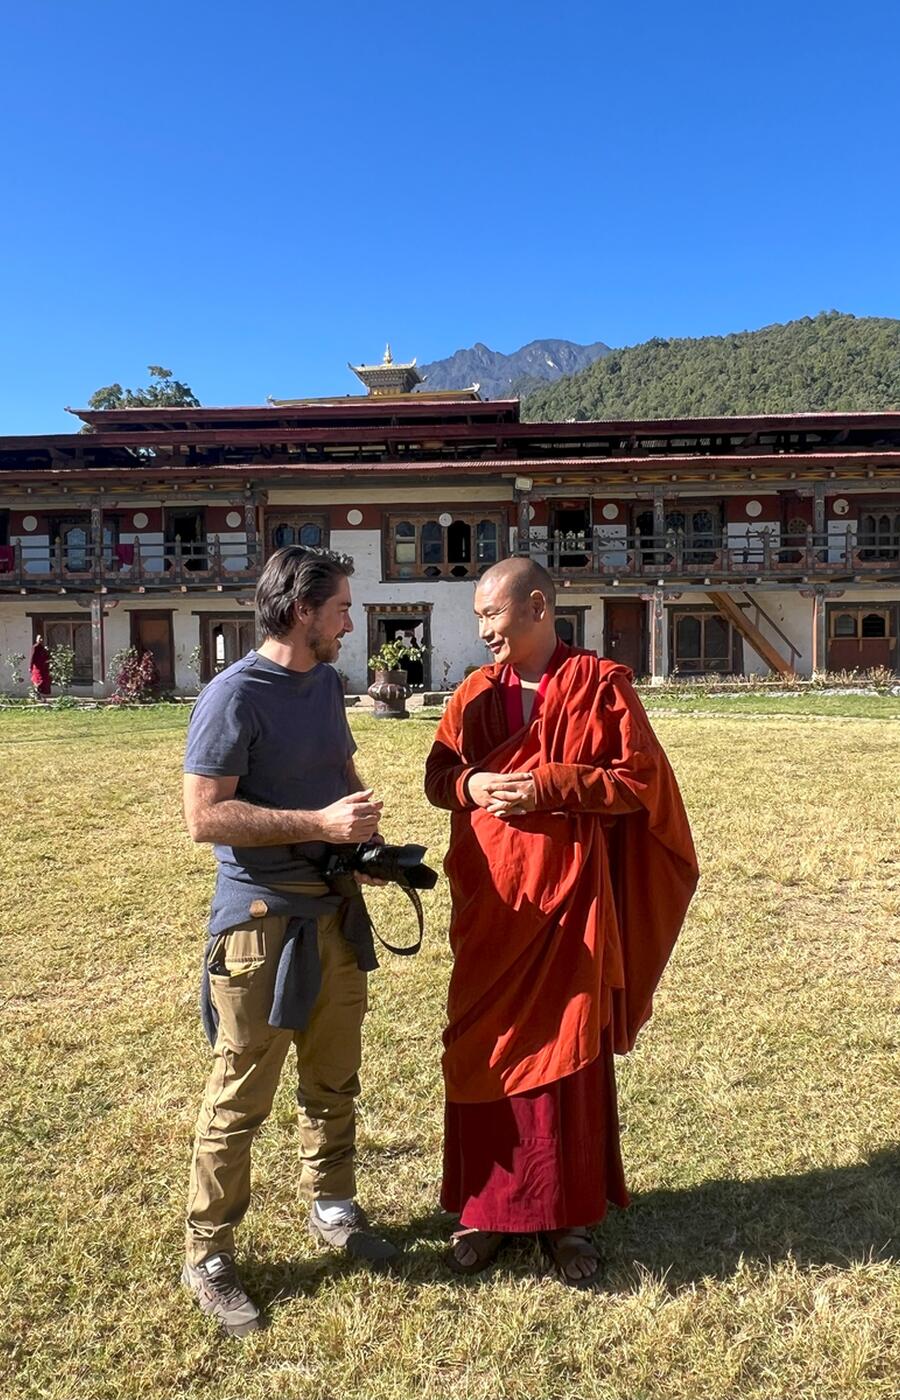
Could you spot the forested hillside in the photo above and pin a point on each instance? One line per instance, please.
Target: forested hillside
(830, 361)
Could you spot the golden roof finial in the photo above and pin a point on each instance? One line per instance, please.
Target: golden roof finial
(388, 357)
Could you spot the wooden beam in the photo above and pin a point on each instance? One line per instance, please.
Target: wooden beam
(730, 609)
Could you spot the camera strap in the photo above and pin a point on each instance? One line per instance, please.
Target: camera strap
(411, 948)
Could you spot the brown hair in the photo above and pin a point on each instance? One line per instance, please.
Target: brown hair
(296, 575)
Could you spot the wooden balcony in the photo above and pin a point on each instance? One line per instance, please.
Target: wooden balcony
(130, 568)
(763, 554)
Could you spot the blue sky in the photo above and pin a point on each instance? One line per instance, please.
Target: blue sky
(254, 194)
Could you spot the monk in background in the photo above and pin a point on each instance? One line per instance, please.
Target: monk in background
(571, 867)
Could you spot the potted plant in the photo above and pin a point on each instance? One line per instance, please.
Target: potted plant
(389, 689)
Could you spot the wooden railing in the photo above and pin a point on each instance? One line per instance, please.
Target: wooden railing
(756, 554)
(129, 566)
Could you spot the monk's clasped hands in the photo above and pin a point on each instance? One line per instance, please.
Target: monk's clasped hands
(503, 794)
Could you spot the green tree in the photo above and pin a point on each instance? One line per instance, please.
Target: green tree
(163, 391)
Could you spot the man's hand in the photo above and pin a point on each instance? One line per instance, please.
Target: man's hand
(359, 877)
(480, 787)
(513, 796)
(352, 819)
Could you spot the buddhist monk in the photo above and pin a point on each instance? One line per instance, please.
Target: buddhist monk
(571, 867)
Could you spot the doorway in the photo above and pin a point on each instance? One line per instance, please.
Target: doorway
(570, 534)
(625, 633)
(152, 631)
(392, 622)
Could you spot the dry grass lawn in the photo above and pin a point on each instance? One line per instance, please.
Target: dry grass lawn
(761, 1256)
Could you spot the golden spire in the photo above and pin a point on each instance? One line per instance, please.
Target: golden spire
(388, 357)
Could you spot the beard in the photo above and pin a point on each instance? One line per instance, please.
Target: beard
(323, 648)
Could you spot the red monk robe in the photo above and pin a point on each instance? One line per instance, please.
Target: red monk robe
(562, 923)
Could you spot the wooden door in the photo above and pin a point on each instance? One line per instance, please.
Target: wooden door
(625, 637)
(152, 631)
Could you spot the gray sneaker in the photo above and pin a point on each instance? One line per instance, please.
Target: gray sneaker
(352, 1234)
(220, 1294)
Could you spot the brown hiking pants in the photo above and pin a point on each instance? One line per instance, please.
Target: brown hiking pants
(248, 1057)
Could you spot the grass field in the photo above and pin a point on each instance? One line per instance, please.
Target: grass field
(761, 1256)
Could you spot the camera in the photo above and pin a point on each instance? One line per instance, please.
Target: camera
(403, 865)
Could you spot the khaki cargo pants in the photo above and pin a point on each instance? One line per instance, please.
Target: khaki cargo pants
(248, 1057)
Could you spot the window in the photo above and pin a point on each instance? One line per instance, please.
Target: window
(879, 534)
(859, 621)
(293, 526)
(702, 641)
(421, 546)
(698, 528)
(570, 626)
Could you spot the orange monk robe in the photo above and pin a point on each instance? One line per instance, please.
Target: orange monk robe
(563, 919)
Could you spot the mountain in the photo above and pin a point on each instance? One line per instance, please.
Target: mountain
(511, 376)
(829, 361)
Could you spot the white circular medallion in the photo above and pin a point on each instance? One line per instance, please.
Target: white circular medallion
(140, 519)
(29, 522)
(531, 512)
(445, 519)
(840, 506)
(754, 508)
(354, 517)
(610, 511)
(233, 519)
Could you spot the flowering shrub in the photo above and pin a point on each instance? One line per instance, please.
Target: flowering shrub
(136, 678)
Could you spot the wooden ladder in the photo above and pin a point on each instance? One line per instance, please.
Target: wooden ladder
(773, 658)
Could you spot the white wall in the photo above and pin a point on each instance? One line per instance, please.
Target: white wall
(454, 636)
(15, 637)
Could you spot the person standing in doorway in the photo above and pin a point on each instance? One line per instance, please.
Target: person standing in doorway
(271, 782)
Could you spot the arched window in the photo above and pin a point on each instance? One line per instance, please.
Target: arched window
(874, 625)
(459, 543)
(310, 535)
(844, 625)
(486, 542)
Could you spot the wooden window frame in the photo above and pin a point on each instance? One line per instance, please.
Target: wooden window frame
(419, 517)
(274, 516)
(704, 611)
(891, 610)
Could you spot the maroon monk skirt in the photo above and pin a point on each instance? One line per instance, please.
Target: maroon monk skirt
(548, 1159)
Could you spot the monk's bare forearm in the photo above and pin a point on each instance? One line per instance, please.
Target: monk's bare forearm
(236, 823)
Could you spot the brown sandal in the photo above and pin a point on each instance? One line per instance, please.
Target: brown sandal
(485, 1245)
(564, 1248)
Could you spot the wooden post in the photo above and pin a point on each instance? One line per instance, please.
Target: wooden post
(820, 529)
(97, 542)
(819, 633)
(97, 650)
(523, 523)
(250, 530)
(659, 648)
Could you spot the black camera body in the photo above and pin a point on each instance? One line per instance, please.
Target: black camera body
(403, 865)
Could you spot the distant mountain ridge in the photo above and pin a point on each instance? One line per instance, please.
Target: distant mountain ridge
(502, 376)
(832, 361)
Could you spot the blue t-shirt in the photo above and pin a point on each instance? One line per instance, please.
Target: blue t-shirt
(284, 735)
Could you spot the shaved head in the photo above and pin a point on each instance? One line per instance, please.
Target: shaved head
(520, 578)
(514, 605)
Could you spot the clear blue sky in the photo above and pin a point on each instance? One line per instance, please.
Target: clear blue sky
(252, 194)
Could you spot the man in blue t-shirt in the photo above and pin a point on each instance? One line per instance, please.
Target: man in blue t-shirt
(270, 781)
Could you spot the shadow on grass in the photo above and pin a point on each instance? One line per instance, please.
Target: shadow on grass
(837, 1216)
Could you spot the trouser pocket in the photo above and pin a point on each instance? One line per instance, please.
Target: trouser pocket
(242, 963)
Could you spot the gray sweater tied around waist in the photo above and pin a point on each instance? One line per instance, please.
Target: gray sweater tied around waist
(298, 978)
